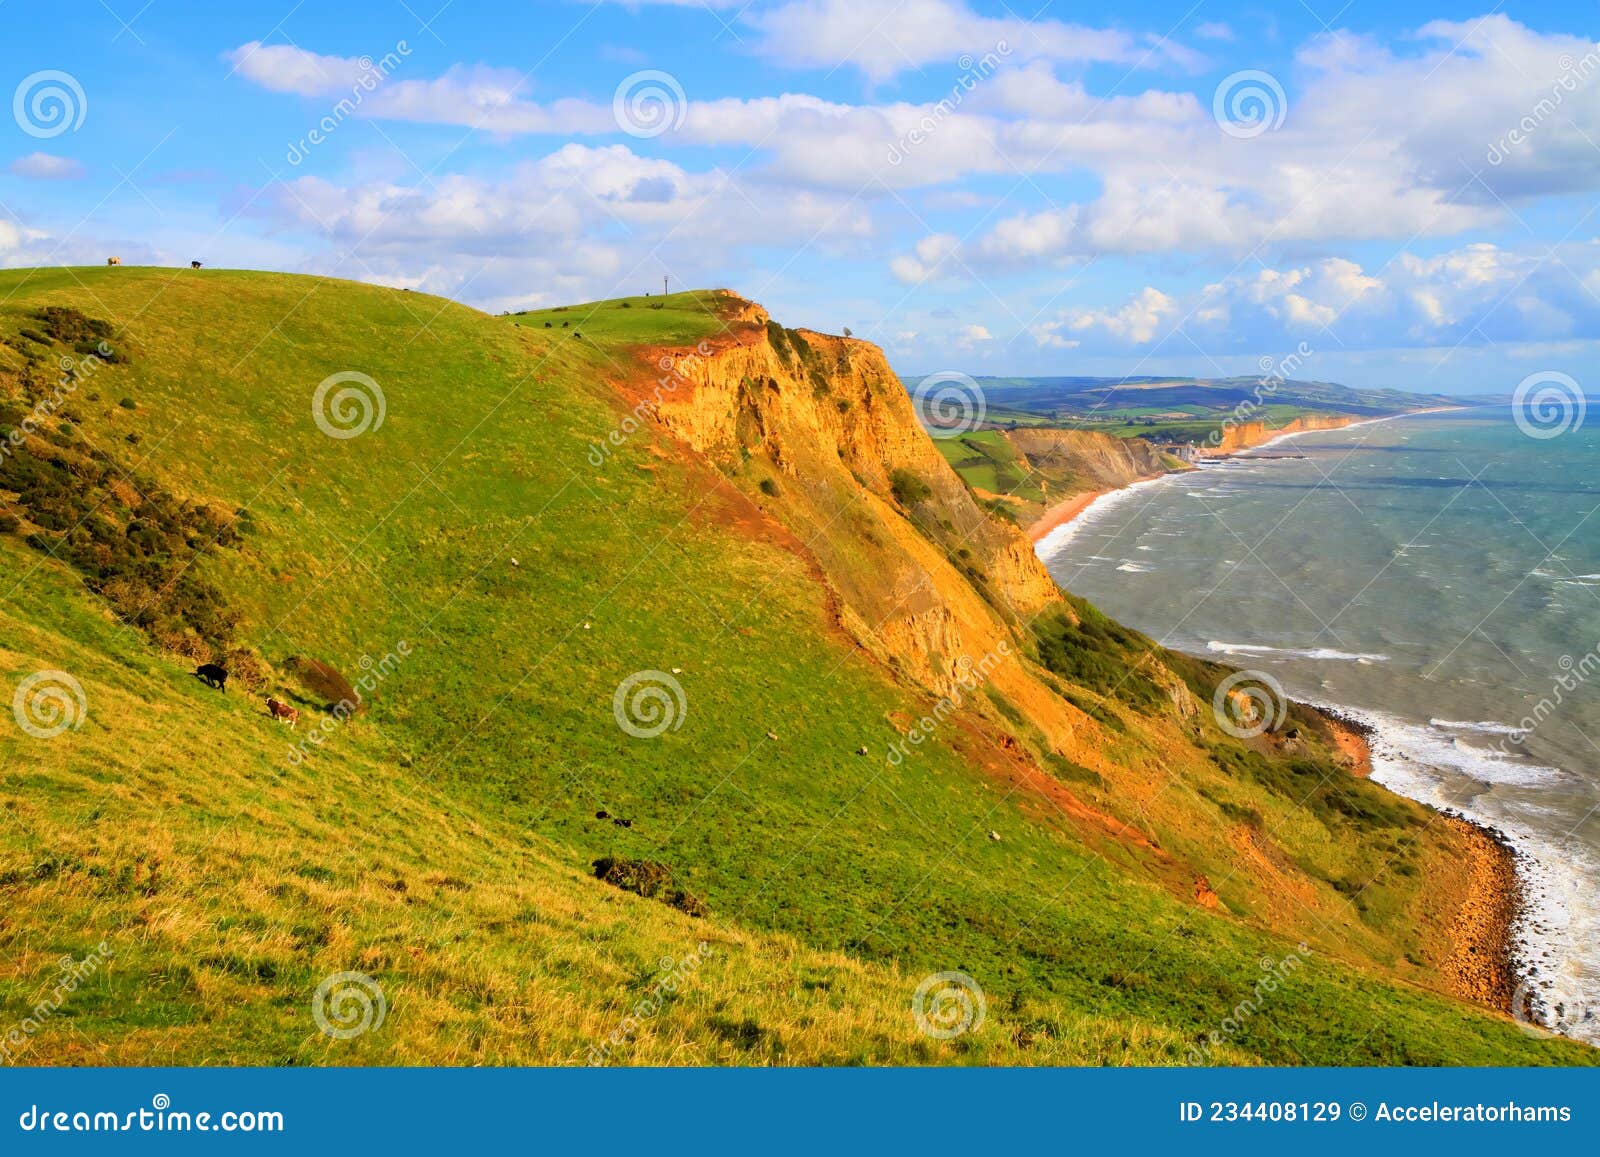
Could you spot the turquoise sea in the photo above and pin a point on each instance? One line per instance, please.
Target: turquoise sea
(1436, 576)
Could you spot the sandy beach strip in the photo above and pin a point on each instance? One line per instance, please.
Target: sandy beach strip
(1063, 512)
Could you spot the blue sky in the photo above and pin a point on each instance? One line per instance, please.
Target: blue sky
(1399, 194)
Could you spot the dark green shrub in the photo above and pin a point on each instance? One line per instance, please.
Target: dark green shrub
(649, 879)
(908, 488)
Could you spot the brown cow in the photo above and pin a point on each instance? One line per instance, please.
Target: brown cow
(113, 261)
(283, 711)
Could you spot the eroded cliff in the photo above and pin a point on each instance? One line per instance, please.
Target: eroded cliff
(1103, 732)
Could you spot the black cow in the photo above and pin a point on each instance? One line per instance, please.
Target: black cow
(214, 676)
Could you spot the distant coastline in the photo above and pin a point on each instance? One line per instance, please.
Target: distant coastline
(1074, 507)
(1479, 962)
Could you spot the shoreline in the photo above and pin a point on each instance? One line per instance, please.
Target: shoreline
(1352, 737)
(1064, 512)
(1483, 965)
(1069, 510)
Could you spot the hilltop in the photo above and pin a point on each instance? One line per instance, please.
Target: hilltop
(656, 583)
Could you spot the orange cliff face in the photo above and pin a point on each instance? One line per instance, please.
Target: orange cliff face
(819, 434)
(1244, 435)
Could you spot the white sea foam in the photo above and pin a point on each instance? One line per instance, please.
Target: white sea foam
(1132, 567)
(1488, 727)
(1296, 653)
(1559, 922)
(1056, 541)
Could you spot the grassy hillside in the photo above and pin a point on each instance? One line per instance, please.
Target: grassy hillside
(1020, 473)
(492, 587)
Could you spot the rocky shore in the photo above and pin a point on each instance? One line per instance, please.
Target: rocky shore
(1481, 966)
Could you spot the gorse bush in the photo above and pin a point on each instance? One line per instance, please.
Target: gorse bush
(1099, 654)
(133, 543)
(909, 488)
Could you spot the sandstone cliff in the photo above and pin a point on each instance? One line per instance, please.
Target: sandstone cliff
(1244, 435)
(818, 431)
(1092, 460)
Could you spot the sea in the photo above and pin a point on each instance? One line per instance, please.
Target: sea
(1435, 577)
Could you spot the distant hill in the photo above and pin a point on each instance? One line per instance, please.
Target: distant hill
(1090, 398)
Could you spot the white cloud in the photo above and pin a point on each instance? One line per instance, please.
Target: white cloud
(927, 258)
(886, 37)
(18, 243)
(1475, 294)
(1214, 30)
(577, 224)
(1374, 146)
(46, 167)
(287, 68)
(1137, 321)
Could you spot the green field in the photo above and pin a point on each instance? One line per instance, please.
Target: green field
(987, 461)
(184, 502)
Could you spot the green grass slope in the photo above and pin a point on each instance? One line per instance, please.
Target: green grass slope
(491, 588)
